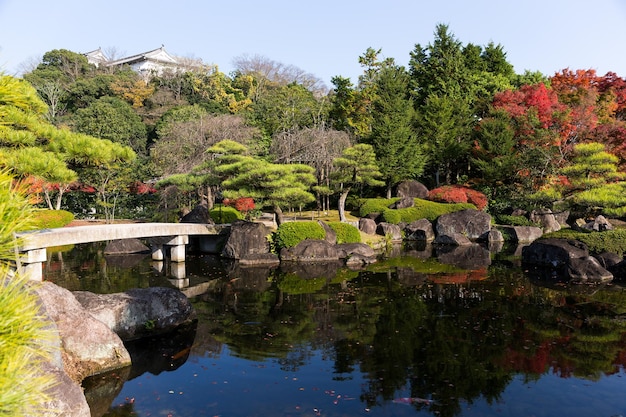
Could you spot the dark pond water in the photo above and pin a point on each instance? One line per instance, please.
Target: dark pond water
(408, 336)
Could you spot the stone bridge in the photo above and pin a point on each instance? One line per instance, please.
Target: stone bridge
(32, 245)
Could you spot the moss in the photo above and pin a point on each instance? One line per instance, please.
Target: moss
(608, 241)
(50, 219)
(509, 220)
(346, 233)
(290, 234)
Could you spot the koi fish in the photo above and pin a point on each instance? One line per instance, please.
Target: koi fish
(413, 400)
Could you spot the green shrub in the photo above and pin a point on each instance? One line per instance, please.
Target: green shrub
(375, 205)
(225, 214)
(346, 233)
(291, 233)
(26, 339)
(423, 209)
(50, 219)
(392, 216)
(608, 241)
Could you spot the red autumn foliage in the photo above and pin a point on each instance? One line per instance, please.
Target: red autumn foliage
(139, 187)
(536, 100)
(242, 204)
(458, 194)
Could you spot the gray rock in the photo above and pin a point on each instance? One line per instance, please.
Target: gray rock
(546, 219)
(311, 250)
(526, 234)
(553, 253)
(245, 239)
(66, 396)
(495, 235)
(367, 225)
(331, 235)
(389, 229)
(88, 346)
(349, 251)
(404, 202)
(454, 239)
(125, 246)
(138, 312)
(599, 224)
(588, 269)
(199, 214)
(421, 230)
(473, 224)
(412, 189)
(569, 258)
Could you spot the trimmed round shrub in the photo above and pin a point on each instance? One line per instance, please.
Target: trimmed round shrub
(291, 233)
(50, 219)
(225, 214)
(346, 233)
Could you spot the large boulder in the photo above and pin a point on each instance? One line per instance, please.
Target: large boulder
(245, 239)
(199, 214)
(526, 234)
(125, 246)
(555, 253)
(66, 397)
(473, 224)
(367, 225)
(391, 230)
(412, 189)
(588, 269)
(421, 230)
(568, 258)
(88, 346)
(331, 235)
(311, 250)
(471, 257)
(453, 239)
(138, 312)
(356, 254)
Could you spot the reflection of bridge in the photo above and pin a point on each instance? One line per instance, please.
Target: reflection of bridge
(32, 245)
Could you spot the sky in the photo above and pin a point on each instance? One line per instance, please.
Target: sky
(322, 37)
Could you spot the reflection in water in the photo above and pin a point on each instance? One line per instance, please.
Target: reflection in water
(407, 336)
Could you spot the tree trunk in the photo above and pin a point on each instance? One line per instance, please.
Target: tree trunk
(279, 215)
(341, 205)
(389, 188)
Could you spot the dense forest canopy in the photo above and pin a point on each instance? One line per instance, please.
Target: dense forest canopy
(103, 137)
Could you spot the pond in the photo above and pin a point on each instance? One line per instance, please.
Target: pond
(412, 335)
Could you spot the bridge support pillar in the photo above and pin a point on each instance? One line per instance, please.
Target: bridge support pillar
(177, 249)
(31, 263)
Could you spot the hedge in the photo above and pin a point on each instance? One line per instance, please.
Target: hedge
(346, 233)
(291, 233)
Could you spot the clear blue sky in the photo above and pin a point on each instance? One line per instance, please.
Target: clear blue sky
(322, 37)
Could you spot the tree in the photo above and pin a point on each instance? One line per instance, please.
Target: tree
(356, 167)
(29, 146)
(112, 118)
(271, 185)
(444, 128)
(393, 138)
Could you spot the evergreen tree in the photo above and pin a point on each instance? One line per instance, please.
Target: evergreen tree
(393, 137)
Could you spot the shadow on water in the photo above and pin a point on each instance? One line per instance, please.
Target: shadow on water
(426, 331)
